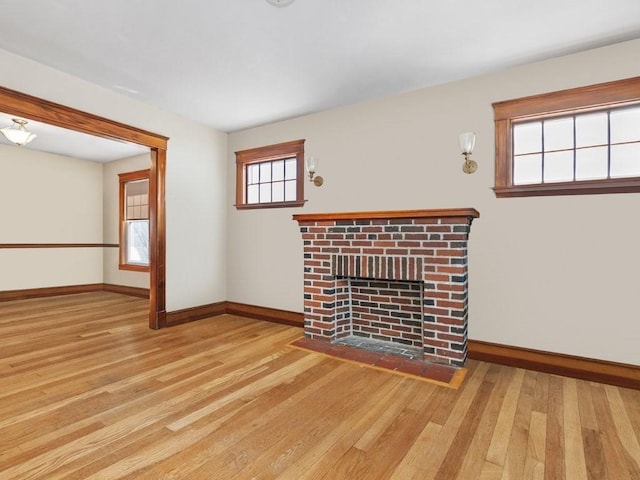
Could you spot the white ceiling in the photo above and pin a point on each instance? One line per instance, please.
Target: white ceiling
(71, 143)
(235, 64)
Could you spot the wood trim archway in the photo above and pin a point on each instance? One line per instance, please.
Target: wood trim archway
(34, 108)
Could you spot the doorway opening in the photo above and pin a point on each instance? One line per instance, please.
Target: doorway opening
(37, 109)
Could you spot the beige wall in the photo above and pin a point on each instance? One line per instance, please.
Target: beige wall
(47, 198)
(557, 274)
(56, 199)
(195, 181)
(111, 219)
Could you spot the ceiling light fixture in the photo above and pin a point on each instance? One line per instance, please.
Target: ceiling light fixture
(280, 3)
(17, 133)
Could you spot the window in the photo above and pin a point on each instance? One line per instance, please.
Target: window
(134, 221)
(580, 141)
(270, 176)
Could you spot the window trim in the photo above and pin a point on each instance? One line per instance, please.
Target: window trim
(125, 178)
(591, 98)
(278, 151)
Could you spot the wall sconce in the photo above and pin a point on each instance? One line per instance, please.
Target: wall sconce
(467, 142)
(17, 133)
(311, 163)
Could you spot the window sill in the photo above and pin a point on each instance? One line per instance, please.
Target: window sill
(250, 206)
(133, 268)
(589, 187)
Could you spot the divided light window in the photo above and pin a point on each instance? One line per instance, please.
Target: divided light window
(580, 141)
(270, 176)
(134, 220)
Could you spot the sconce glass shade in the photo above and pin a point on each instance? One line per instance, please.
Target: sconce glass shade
(467, 142)
(17, 133)
(311, 164)
(280, 3)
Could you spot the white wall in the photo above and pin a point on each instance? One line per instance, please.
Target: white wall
(196, 176)
(552, 273)
(111, 220)
(47, 198)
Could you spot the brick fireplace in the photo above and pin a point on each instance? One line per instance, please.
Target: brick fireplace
(397, 276)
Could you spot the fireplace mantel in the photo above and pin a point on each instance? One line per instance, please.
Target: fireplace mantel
(397, 276)
(391, 214)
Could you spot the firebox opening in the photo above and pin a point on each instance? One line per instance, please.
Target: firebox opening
(380, 315)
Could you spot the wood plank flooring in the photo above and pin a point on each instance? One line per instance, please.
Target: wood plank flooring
(87, 391)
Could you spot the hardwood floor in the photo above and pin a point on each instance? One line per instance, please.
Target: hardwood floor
(87, 390)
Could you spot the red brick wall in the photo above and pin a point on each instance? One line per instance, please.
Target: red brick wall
(431, 251)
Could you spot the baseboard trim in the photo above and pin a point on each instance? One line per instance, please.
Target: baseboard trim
(124, 290)
(28, 293)
(274, 315)
(601, 371)
(178, 317)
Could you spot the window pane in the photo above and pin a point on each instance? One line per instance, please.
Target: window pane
(278, 191)
(625, 125)
(265, 192)
(558, 166)
(272, 181)
(625, 160)
(253, 172)
(277, 170)
(591, 129)
(591, 163)
(137, 241)
(136, 187)
(527, 138)
(137, 199)
(558, 134)
(290, 190)
(527, 169)
(252, 194)
(265, 172)
(290, 169)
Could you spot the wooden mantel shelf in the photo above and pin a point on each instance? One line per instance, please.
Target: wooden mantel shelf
(436, 213)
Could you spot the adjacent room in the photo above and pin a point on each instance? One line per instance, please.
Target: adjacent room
(319, 239)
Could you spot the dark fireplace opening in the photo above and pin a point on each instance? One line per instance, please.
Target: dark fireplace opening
(383, 315)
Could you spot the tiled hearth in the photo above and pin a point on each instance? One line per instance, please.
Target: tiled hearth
(397, 277)
(417, 368)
